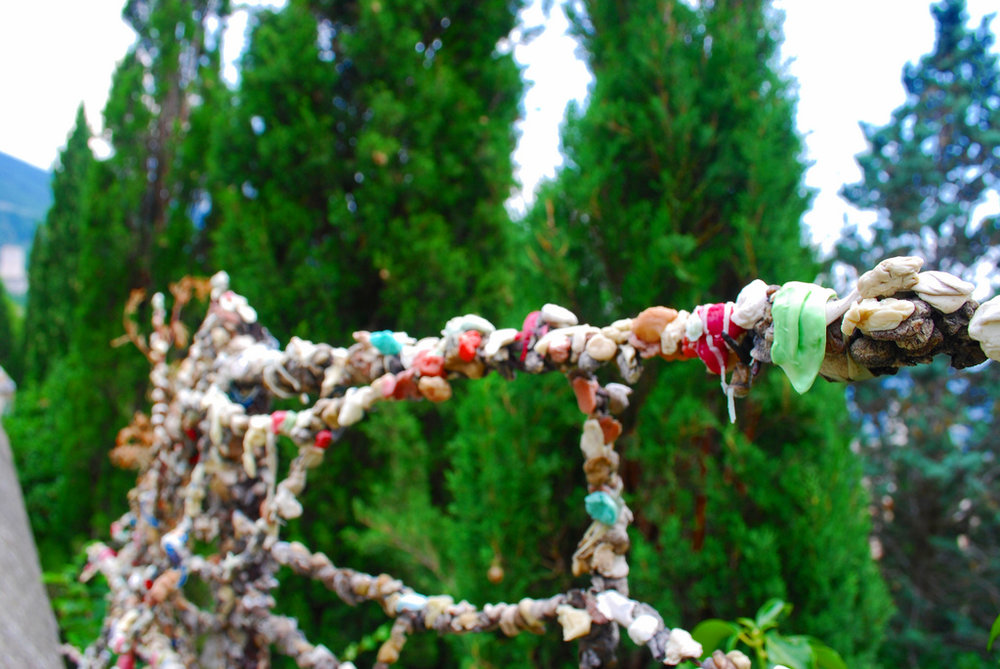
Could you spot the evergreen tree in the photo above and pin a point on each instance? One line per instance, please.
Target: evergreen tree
(117, 225)
(37, 428)
(363, 173)
(137, 233)
(8, 340)
(360, 184)
(928, 433)
(928, 169)
(683, 183)
(52, 267)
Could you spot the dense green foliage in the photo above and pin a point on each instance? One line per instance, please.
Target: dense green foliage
(115, 226)
(9, 358)
(24, 197)
(683, 183)
(366, 163)
(359, 182)
(52, 265)
(924, 174)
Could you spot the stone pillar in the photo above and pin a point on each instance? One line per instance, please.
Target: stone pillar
(28, 633)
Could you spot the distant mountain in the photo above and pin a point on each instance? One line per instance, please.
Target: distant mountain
(25, 196)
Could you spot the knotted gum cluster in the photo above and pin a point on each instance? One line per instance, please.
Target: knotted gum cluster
(208, 460)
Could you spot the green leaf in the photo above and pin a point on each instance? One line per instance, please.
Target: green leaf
(713, 633)
(792, 651)
(769, 612)
(994, 633)
(825, 657)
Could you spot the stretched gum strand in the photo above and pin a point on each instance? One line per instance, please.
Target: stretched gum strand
(799, 314)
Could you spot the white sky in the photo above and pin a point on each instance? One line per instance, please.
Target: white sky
(847, 56)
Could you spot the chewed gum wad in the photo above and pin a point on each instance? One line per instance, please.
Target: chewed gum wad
(985, 327)
(799, 314)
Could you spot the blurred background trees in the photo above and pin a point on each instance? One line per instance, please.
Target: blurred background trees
(116, 225)
(926, 433)
(359, 180)
(9, 338)
(52, 266)
(684, 182)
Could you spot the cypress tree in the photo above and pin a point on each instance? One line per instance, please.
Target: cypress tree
(359, 183)
(926, 433)
(37, 428)
(8, 339)
(682, 183)
(117, 225)
(363, 172)
(52, 267)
